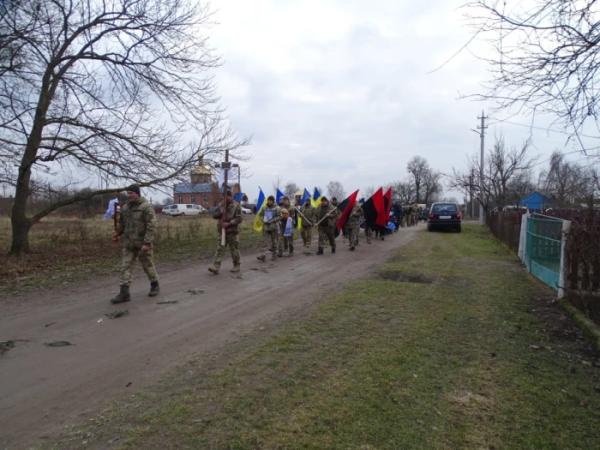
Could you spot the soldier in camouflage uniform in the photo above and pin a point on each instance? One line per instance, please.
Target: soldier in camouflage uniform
(229, 218)
(353, 225)
(325, 214)
(270, 216)
(308, 221)
(136, 230)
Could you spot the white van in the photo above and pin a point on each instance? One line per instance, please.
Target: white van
(181, 209)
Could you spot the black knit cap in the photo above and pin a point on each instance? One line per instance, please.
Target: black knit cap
(134, 188)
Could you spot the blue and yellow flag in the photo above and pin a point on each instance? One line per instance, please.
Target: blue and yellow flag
(305, 196)
(260, 203)
(316, 198)
(278, 196)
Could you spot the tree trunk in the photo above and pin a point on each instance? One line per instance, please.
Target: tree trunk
(20, 235)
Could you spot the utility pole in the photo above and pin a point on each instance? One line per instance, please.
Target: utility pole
(481, 132)
(471, 211)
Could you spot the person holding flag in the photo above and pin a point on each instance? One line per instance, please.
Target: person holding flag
(307, 215)
(326, 215)
(349, 218)
(269, 217)
(297, 221)
(229, 217)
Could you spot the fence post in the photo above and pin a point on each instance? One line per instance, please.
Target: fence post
(566, 225)
(523, 238)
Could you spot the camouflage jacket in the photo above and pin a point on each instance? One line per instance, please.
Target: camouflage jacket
(137, 223)
(330, 211)
(270, 217)
(309, 213)
(354, 216)
(233, 215)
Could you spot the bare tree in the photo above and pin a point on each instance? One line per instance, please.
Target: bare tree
(418, 169)
(290, 189)
(335, 189)
(546, 59)
(502, 166)
(112, 88)
(564, 182)
(504, 170)
(432, 186)
(403, 192)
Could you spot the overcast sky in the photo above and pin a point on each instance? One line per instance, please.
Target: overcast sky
(344, 90)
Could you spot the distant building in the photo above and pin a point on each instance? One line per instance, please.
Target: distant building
(536, 201)
(202, 189)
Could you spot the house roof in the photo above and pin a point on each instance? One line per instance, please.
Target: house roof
(192, 188)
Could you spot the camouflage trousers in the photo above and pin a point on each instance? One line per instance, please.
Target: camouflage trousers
(286, 243)
(326, 235)
(353, 235)
(306, 234)
(270, 242)
(233, 242)
(368, 234)
(128, 257)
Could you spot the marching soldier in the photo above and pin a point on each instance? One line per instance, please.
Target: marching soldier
(308, 221)
(353, 225)
(270, 215)
(229, 216)
(325, 215)
(136, 230)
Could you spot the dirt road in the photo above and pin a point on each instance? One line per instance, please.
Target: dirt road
(43, 388)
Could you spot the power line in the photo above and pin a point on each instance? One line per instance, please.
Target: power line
(533, 127)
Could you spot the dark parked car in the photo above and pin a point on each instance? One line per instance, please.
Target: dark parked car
(444, 216)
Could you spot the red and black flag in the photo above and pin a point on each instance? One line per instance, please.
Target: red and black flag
(345, 209)
(387, 204)
(374, 210)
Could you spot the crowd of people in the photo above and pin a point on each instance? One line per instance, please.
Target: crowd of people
(279, 223)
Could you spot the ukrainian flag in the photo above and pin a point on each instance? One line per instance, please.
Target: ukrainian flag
(260, 204)
(316, 198)
(278, 196)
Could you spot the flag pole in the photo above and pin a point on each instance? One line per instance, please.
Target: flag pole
(225, 166)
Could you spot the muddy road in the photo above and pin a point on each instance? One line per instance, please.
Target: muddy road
(43, 388)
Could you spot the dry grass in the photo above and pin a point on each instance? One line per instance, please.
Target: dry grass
(65, 249)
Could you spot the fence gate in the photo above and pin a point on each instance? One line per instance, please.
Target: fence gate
(544, 249)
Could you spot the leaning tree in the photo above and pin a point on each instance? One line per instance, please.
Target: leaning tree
(120, 89)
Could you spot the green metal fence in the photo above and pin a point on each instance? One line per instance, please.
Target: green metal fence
(543, 253)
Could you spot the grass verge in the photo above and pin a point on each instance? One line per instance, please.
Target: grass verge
(451, 346)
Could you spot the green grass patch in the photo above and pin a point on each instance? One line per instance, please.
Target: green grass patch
(469, 354)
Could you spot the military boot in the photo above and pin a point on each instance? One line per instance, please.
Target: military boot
(213, 270)
(154, 289)
(235, 269)
(320, 251)
(123, 295)
(332, 249)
